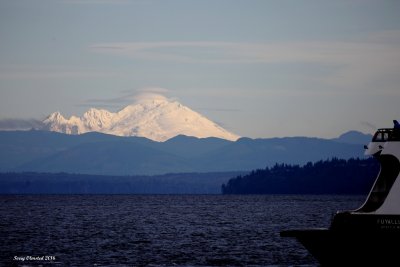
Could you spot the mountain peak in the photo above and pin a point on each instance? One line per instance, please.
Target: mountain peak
(96, 119)
(152, 116)
(55, 116)
(354, 137)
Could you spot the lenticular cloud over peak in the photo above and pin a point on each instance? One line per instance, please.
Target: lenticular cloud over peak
(152, 115)
(149, 96)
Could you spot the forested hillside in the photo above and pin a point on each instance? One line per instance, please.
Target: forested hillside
(335, 176)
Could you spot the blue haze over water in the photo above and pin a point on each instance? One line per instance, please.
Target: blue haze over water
(161, 230)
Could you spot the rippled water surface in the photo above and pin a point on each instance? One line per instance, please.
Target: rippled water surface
(162, 230)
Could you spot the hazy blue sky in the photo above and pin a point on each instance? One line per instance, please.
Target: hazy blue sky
(259, 68)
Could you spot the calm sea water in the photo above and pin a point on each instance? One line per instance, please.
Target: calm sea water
(160, 230)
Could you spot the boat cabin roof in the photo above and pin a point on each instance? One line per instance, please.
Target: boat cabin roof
(386, 134)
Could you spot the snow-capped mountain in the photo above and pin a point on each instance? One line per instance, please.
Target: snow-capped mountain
(156, 118)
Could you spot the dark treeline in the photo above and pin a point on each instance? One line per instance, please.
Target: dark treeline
(335, 176)
(67, 183)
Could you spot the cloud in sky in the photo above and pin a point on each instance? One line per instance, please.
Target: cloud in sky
(353, 63)
(127, 97)
(384, 44)
(40, 72)
(90, 2)
(155, 90)
(19, 124)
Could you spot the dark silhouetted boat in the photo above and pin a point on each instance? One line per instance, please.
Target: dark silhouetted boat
(369, 235)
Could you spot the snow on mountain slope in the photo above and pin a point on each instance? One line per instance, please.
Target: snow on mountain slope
(156, 118)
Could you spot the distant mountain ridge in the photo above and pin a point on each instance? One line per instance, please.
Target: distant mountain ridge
(98, 153)
(156, 118)
(354, 137)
